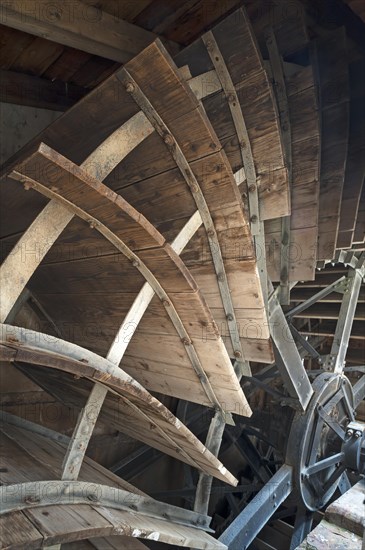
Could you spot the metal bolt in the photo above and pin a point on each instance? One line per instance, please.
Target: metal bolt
(209, 45)
(186, 341)
(165, 303)
(357, 435)
(252, 188)
(253, 219)
(237, 354)
(243, 144)
(210, 233)
(27, 186)
(135, 263)
(169, 140)
(231, 98)
(129, 87)
(220, 277)
(92, 224)
(229, 317)
(350, 432)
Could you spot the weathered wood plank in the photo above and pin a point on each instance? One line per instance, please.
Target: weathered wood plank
(79, 26)
(33, 91)
(101, 370)
(73, 187)
(334, 104)
(240, 51)
(355, 164)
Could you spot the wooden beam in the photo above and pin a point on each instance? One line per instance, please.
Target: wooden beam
(79, 26)
(33, 91)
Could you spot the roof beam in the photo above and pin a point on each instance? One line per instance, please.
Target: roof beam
(79, 26)
(33, 91)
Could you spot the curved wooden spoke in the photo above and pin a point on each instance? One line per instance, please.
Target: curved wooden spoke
(26, 346)
(50, 223)
(153, 258)
(295, 238)
(257, 228)
(240, 125)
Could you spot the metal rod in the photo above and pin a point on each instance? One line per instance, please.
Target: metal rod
(246, 526)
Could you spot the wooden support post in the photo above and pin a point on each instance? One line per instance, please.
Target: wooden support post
(287, 356)
(335, 361)
(213, 443)
(82, 433)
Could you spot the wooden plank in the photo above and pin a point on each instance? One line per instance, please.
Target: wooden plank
(85, 28)
(13, 43)
(355, 164)
(334, 103)
(23, 89)
(18, 531)
(161, 259)
(114, 378)
(39, 55)
(255, 97)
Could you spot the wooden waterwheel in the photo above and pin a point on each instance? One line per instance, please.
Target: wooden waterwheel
(162, 240)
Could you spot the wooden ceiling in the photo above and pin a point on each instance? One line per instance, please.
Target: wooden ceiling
(65, 74)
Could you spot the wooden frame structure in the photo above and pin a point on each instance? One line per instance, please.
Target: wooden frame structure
(184, 190)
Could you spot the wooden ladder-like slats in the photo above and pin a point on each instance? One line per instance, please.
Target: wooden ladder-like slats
(240, 51)
(333, 78)
(305, 161)
(355, 165)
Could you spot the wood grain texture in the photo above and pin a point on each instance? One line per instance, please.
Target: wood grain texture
(305, 187)
(237, 43)
(110, 214)
(71, 523)
(333, 79)
(137, 408)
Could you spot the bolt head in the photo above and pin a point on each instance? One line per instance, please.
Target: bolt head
(129, 87)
